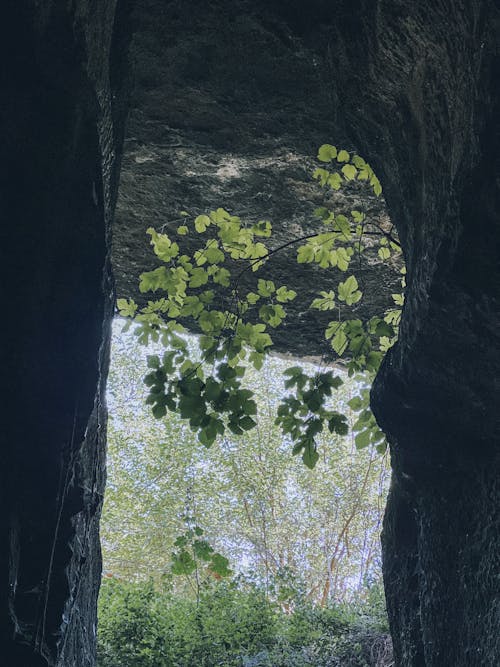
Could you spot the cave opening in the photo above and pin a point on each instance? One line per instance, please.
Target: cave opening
(235, 122)
(290, 542)
(414, 84)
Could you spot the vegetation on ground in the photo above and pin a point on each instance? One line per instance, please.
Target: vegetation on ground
(234, 624)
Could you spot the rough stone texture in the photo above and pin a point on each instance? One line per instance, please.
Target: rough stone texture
(57, 189)
(230, 106)
(436, 75)
(414, 86)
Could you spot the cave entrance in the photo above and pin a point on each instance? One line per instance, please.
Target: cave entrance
(255, 502)
(302, 546)
(229, 110)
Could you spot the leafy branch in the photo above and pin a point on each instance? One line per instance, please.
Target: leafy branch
(210, 393)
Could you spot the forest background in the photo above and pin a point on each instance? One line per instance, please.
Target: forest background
(298, 575)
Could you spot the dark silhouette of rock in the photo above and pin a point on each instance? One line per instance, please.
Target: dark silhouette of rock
(61, 120)
(414, 87)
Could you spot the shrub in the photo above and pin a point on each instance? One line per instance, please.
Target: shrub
(139, 627)
(235, 625)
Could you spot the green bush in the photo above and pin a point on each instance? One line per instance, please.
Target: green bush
(235, 625)
(128, 628)
(139, 627)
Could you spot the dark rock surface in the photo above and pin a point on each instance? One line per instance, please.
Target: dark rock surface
(230, 106)
(437, 395)
(59, 134)
(414, 87)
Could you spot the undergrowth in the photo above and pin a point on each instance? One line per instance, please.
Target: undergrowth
(234, 624)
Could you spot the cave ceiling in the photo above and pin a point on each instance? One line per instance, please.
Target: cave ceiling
(230, 103)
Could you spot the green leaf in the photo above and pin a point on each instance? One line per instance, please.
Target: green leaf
(283, 294)
(213, 389)
(252, 298)
(126, 307)
(321, 212)
(343, 259)
(362, 439)
(343, 156)
(313, 399)
(203, 550)
(265, 287)
(332, 329)
(164, 248)
(359, 162)
(349, 171)
(342, 225)
(356, 403)
(326, 301)
(150, 281)
(305, 254)
(373, 361)
(321, 175)
(213, 254)
(358, 217)
(326, 153)
(339, 342)
(348, 291)
(335, 181)
(375, 183)
(310, 456)
(159, 410)
(247, 423)
(222, 277)
(257, 360)
(384, 253)
(153, 361)
(338, 424)
(182, 230)
(383, 328)
(191, 406)
(220, 215)
(336, 331)
(220, 565)
(262, 228)
(393, 317)
(293, 371)
(386, 343)
(201, 223)
(272, 314)
(198, 277)
(182, 563)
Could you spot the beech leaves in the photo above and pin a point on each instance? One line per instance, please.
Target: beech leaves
(203, 288)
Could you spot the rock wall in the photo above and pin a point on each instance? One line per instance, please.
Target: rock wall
(414, 86)
(61, 121)
(231, 103)
(434, 68)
